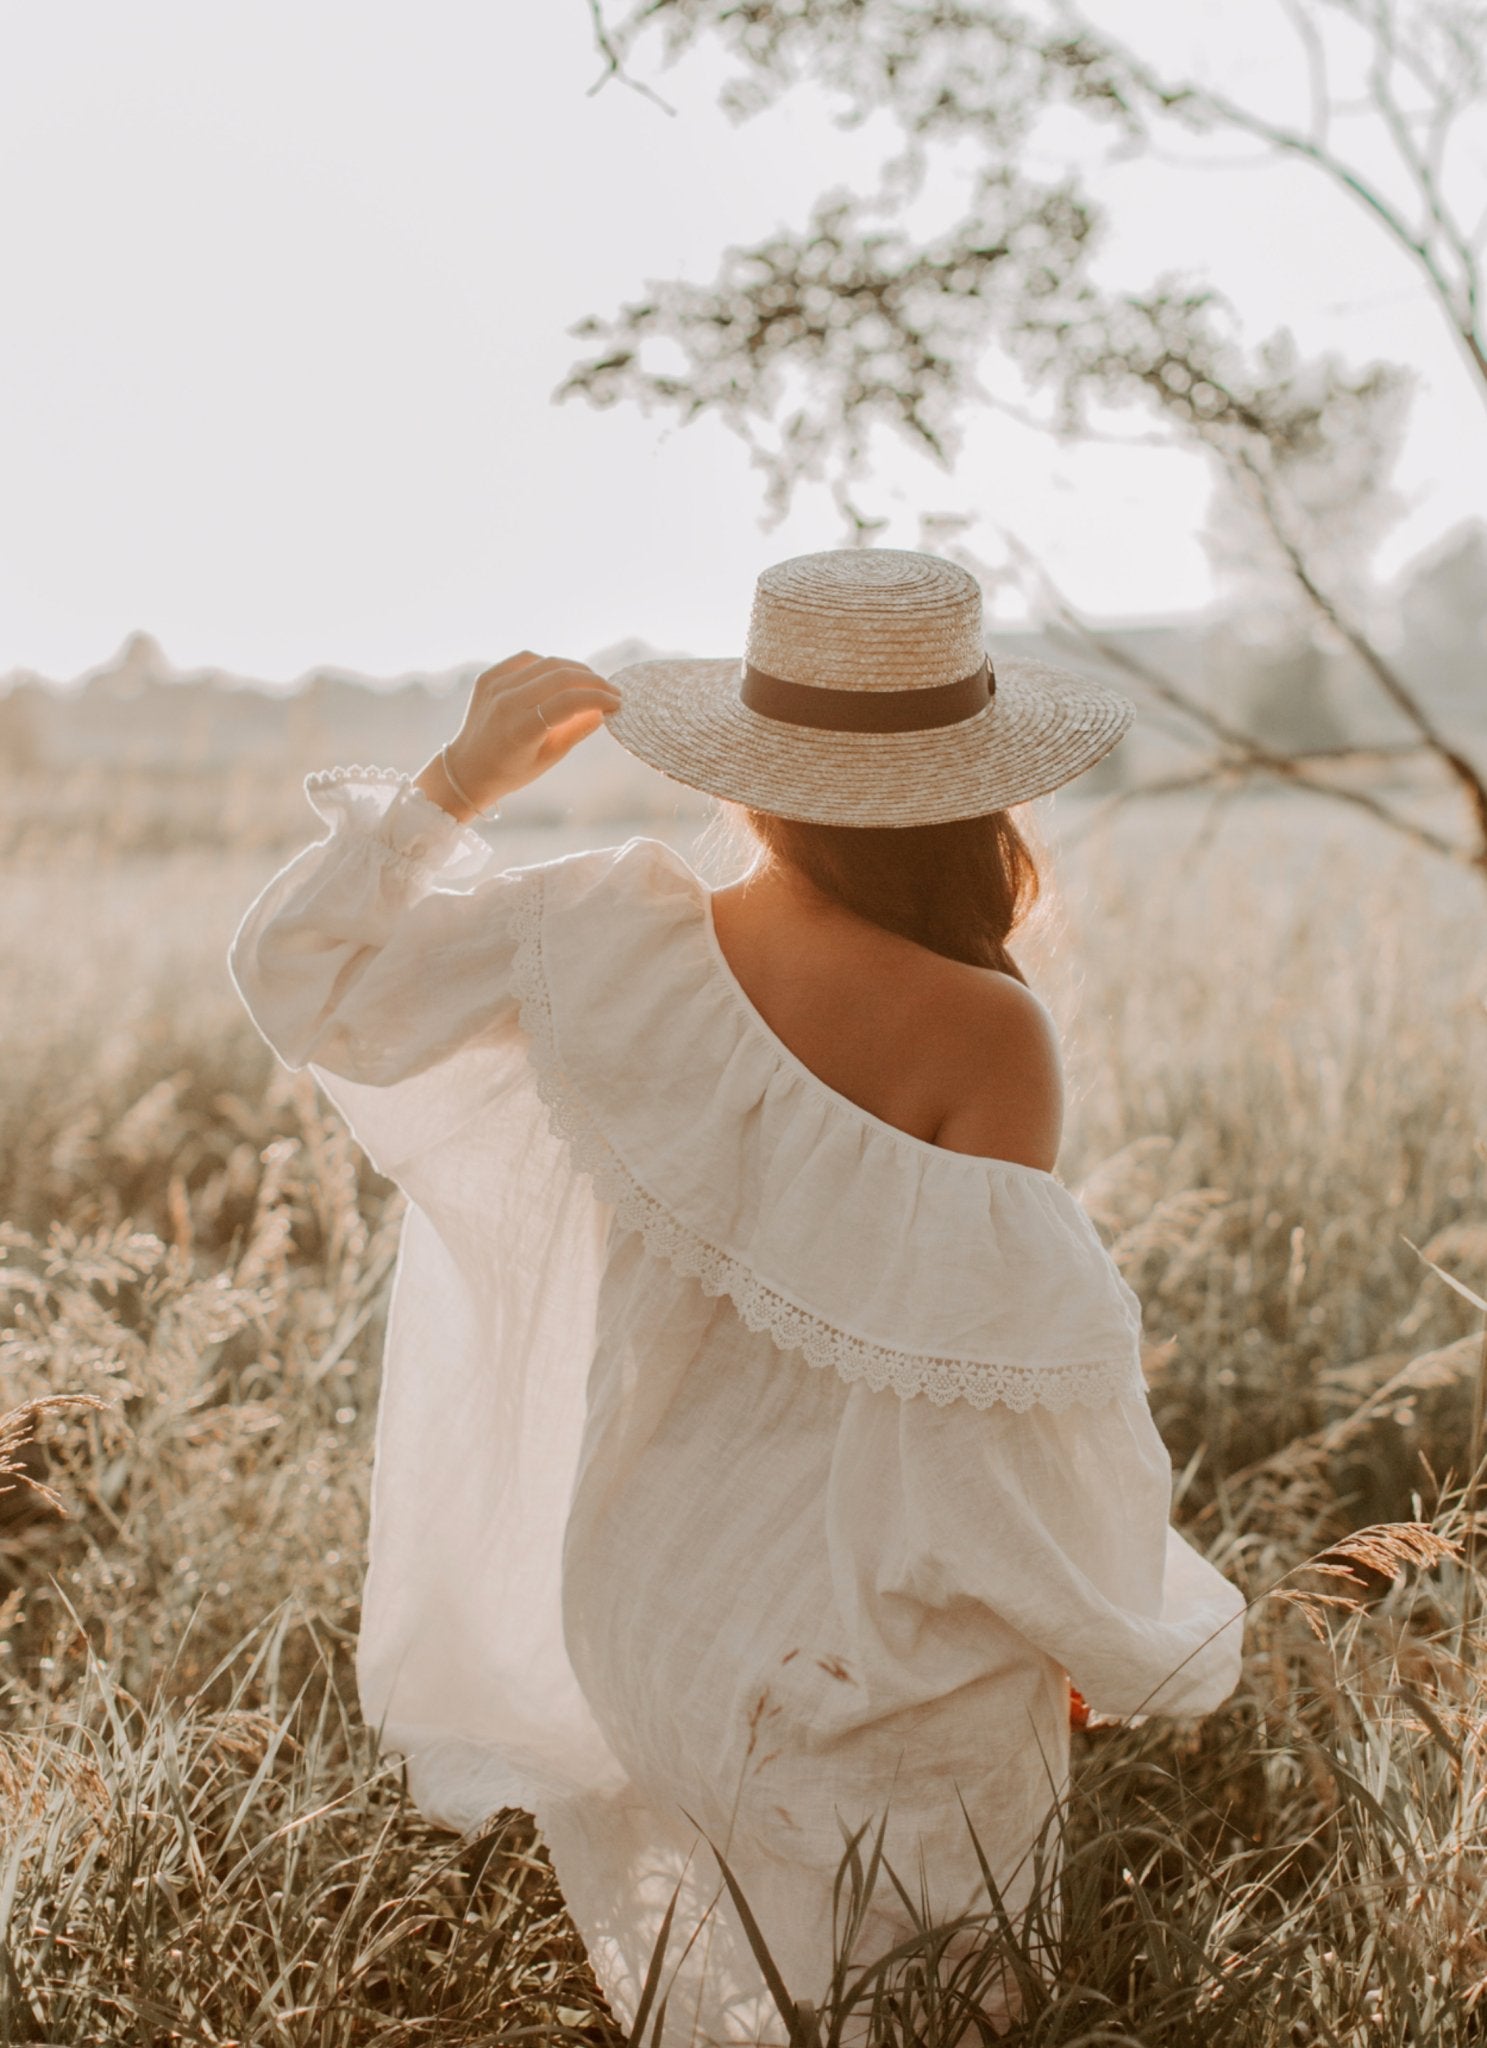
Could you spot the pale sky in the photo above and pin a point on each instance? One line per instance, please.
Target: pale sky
(287, 285)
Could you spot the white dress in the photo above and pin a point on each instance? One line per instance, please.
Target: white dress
(744, 1465)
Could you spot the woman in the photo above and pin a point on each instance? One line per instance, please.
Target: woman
(763, 1446)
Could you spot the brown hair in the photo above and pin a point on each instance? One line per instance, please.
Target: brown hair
(960, 888)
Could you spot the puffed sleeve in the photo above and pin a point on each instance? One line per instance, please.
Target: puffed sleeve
(381, 958)
(1057, 1523)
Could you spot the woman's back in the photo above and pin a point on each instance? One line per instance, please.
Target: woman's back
(961, 1057)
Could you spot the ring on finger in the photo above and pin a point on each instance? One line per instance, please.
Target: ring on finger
(542, 715)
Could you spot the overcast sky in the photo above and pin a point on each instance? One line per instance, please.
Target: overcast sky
(287, 285)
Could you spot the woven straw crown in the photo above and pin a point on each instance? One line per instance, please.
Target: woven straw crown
(868, 628)
(866, 619)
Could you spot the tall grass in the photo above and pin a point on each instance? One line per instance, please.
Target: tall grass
(1277, 1119)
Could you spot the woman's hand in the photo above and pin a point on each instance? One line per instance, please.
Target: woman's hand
(524, 714)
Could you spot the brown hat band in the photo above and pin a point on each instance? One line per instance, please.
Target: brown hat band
(868, 710)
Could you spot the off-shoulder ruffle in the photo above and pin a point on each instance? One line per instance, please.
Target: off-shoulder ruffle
(953, 1276)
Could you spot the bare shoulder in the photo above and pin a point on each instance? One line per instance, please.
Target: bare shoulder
(1000, 1066)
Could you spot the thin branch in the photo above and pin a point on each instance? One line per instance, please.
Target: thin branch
(614, 65)
(1165, 785)
(1442, 90)
(1226, 779)
(1382, 750)
(1419, 167)
(1153, 437)
(1239, 742)
(1245, 754)
(1316, 68)
(1388, 678)
(1286, 140)
(1352, 181)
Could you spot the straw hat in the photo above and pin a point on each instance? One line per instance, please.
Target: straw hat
(866, 696)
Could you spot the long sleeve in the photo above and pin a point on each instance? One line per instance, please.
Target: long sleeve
(388, 958)
(1058, 1522)
(381, 958)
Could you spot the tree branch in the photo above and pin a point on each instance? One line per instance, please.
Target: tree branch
(613, 65)
(1189, 100)
(1246, 755)
(1421, 169)
(1393, 684)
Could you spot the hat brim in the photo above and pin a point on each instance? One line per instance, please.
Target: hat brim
(1043, 726)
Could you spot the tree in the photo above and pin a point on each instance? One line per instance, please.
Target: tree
(848, 324)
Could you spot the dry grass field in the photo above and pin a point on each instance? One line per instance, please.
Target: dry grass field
(1276, 1035)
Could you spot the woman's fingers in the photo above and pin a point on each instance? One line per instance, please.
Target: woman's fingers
(527, 671)
(553, 692)
(520, 684)
(542, 677)
(557, 741)
(510, 666)
(558, 705)
(524, 714)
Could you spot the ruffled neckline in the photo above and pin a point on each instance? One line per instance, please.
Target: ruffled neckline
(893, 1261)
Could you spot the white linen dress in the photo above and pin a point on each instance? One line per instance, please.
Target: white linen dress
(744, 1465)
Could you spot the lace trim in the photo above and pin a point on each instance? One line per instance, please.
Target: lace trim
(983, 1384)
(466, 839)
(328, 778)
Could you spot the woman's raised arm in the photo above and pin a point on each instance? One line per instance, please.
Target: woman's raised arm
(383, 949)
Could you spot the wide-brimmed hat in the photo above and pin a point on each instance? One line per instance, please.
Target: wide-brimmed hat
(866, 696)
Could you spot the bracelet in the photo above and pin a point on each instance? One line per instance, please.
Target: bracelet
(454, 783)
